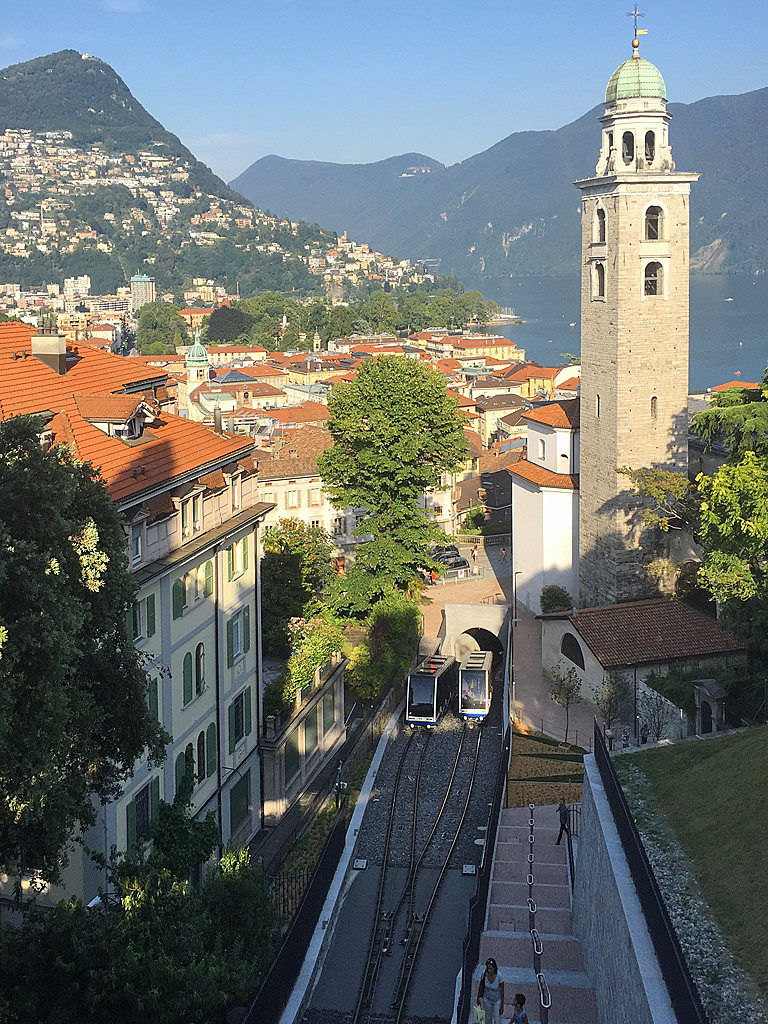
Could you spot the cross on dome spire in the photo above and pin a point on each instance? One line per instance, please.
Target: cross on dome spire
(635, 14)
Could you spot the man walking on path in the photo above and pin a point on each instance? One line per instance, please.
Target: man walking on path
(503, 555)
(562, 812)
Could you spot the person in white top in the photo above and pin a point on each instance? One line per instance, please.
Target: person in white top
(490, 993)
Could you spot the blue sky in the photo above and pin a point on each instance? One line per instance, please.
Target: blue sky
(356, 82)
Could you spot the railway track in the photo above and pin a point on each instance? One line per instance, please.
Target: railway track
(417, 907)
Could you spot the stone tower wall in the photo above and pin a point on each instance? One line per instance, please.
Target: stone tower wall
(634, 350)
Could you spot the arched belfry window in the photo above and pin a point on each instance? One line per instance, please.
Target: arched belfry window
(599, 281)
(600, 226)
(628, 147)
(569, 647)
(650, 147)
(654, 222)
(654, 407)
(654, 279)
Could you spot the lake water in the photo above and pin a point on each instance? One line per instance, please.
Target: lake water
(729, 340)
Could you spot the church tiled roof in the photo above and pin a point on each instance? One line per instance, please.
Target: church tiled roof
(657, 630)
(544, 477)
(564, 414)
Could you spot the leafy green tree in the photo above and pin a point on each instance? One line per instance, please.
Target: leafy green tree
(296, 568)
(555, 599)
(392, 632)
(227, 323)
(613, 698)
(395, 433)
(168, 952)
(734, 530)
(670, 500)
(739, 416)
(74, 715)
(565, 690)
(159, 324)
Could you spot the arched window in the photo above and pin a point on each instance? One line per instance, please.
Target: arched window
(186, 676)
(201, 758)
(654, 279)
(569, 647)
(654, 220)
(599, 281)
(628, 147)
(654, 407)
(650, 147)
(199, 669)
(610, 141)
(600, 232)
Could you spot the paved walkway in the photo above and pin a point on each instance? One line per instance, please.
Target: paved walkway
(507, 937)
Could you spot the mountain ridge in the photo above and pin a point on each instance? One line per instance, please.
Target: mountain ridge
(512, 208)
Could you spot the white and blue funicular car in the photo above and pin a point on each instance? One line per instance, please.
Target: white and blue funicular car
(430, 688)
(475, 685)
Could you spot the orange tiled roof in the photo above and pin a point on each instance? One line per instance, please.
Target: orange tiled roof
(544, 477)
(170, 449)
(563, 414)
(748, 384)
(107, 407)
(306, 413)
(572, 384)
(656, 630)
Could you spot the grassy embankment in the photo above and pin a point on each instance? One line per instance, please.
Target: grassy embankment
(715, 796)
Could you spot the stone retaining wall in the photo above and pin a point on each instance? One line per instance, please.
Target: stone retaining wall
(619, 957)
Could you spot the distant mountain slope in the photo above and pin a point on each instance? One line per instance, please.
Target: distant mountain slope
(513, 208)
(74, 92)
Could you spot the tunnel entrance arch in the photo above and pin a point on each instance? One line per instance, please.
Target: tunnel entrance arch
(475, 638)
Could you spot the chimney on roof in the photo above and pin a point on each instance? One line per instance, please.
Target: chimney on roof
(217, 419)
(50, 348)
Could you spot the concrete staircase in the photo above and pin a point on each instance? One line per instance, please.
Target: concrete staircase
(507, 938)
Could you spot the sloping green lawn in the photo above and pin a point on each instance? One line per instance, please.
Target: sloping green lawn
(715, 795)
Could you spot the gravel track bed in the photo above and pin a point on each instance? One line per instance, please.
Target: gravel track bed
(442, 746)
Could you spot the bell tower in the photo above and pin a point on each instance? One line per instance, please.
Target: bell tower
(634, 327)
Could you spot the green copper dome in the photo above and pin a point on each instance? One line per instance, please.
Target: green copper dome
(635, 77)
(196, 355)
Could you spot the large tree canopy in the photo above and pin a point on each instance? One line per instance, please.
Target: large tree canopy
(739, 416)
(74, 715)
(395, 433)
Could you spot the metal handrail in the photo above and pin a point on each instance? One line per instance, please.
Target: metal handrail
(538, 949)
(545, 998)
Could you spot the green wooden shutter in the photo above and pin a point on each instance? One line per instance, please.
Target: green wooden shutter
(154, 703)
(244, 543)
(150, 614)
(230, 562)
(246, 628)
(231, 723)
(230, 643)
(154, 797)
(247, 715)
(208, 584)
(187, 678)
(129, 621)
(181, 767)
(130, 824)
(178, 599)
(211, 750)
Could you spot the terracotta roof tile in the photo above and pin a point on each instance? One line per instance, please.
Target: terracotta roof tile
(214, 480)
(748, 384)
(572, 384)
(658, 630)
(108, 407)
(544, 477)
(475, 443)
(564, 414)
(160, 507)
(171, 448)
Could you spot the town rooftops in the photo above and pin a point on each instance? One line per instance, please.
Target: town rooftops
(747, 384)
(544, 477)
(562, 415)
(169, 450)
(657, 630)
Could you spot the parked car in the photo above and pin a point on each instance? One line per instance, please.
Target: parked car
(444, 549)
(455, 562)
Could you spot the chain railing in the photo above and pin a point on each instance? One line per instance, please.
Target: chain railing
(545, 997)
